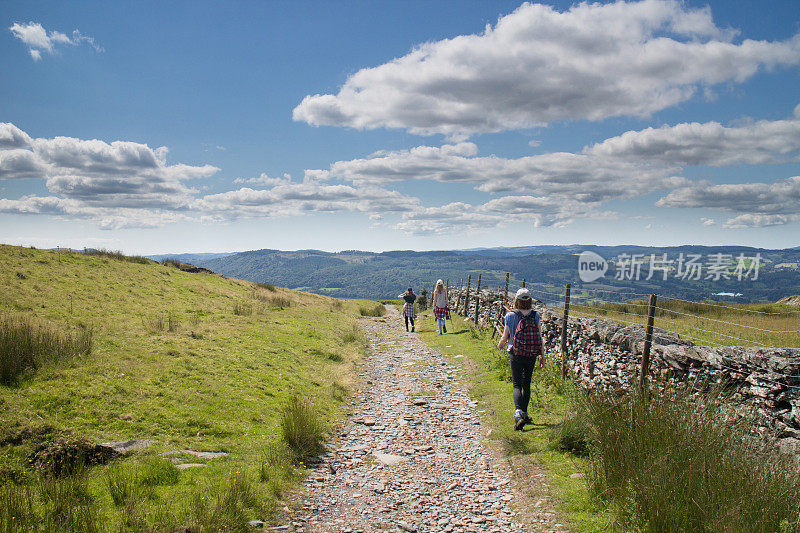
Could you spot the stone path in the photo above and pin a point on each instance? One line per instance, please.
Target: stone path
(411, 458)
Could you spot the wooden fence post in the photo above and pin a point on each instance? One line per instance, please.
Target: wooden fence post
(477, 297)
(466, 297)
(505, 292)
(458, 296)
(564, 323)
(648, 341)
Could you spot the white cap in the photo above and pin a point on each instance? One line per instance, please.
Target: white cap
(523, 293)
(439, 282)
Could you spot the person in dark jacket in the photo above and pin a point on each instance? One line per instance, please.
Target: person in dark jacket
(409, 313)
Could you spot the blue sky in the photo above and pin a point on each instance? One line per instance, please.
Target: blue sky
(396, 125)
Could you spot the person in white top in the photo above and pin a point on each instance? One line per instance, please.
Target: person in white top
(441, 307)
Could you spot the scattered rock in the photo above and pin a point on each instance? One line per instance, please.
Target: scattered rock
(127, 446)
(388, 459)
(577, 475)
(184, 466)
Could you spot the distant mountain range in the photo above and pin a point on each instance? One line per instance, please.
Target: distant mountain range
(546, 269)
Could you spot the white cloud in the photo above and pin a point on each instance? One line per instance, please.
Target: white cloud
(585, 177)
(288, 199)
(710, 143)
(707, 221)
(264, 179)
(39, 40)
(759, 204)
(117, 184)
(539, 65)
(521, 211)
(117, 174)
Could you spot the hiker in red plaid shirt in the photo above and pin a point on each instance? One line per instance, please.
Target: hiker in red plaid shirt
(441, 307)
(524, 347)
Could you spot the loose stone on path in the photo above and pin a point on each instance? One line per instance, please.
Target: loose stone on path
(411, 458)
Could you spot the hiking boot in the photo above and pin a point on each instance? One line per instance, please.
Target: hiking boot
(527, 419)
(519, 422)
(444, 328)
(412, 329)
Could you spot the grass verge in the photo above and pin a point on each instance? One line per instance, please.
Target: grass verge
(535, 451)
(671, 461)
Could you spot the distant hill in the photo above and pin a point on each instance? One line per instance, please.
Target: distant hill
(189, 258)
(361, 274)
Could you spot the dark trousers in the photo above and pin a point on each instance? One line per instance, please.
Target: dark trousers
(412, 322)
(521, 373)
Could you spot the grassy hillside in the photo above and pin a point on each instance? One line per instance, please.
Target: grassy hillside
(192, 361)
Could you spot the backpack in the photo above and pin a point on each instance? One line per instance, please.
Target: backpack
(527, 339)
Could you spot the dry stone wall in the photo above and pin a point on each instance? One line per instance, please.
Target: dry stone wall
(607, 355)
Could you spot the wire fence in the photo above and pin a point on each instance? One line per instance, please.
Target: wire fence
(728, 325)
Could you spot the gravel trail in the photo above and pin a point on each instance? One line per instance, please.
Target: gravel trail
(411, 457)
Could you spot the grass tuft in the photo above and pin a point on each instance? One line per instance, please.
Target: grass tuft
(242, 309)
(269, 286)
(116, 255)
(376, 310)
(675, 462)
(224, 508)
(301, 427)
(27, 344)
(157, 471)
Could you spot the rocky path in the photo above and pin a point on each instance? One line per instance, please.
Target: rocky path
(411, 457)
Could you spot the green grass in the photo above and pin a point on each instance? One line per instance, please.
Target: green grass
(489, 380)
(671, 462)
(171, 362)
(377, 309)
(27, 344)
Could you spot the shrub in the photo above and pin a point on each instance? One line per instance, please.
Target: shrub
(679, 463)
(376, 310)
(269, 286)
(174, 263)
(27, 344)
(172, 323)
(301, 428)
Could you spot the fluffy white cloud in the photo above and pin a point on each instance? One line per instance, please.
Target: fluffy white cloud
(585, 177)
(525, 211)
(117, 174)
(286, 199)
(690, 144)
(539, 65)
(760, 204)
(104, 217)
(39, 40)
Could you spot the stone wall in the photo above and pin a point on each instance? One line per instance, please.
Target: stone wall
(607, 355)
